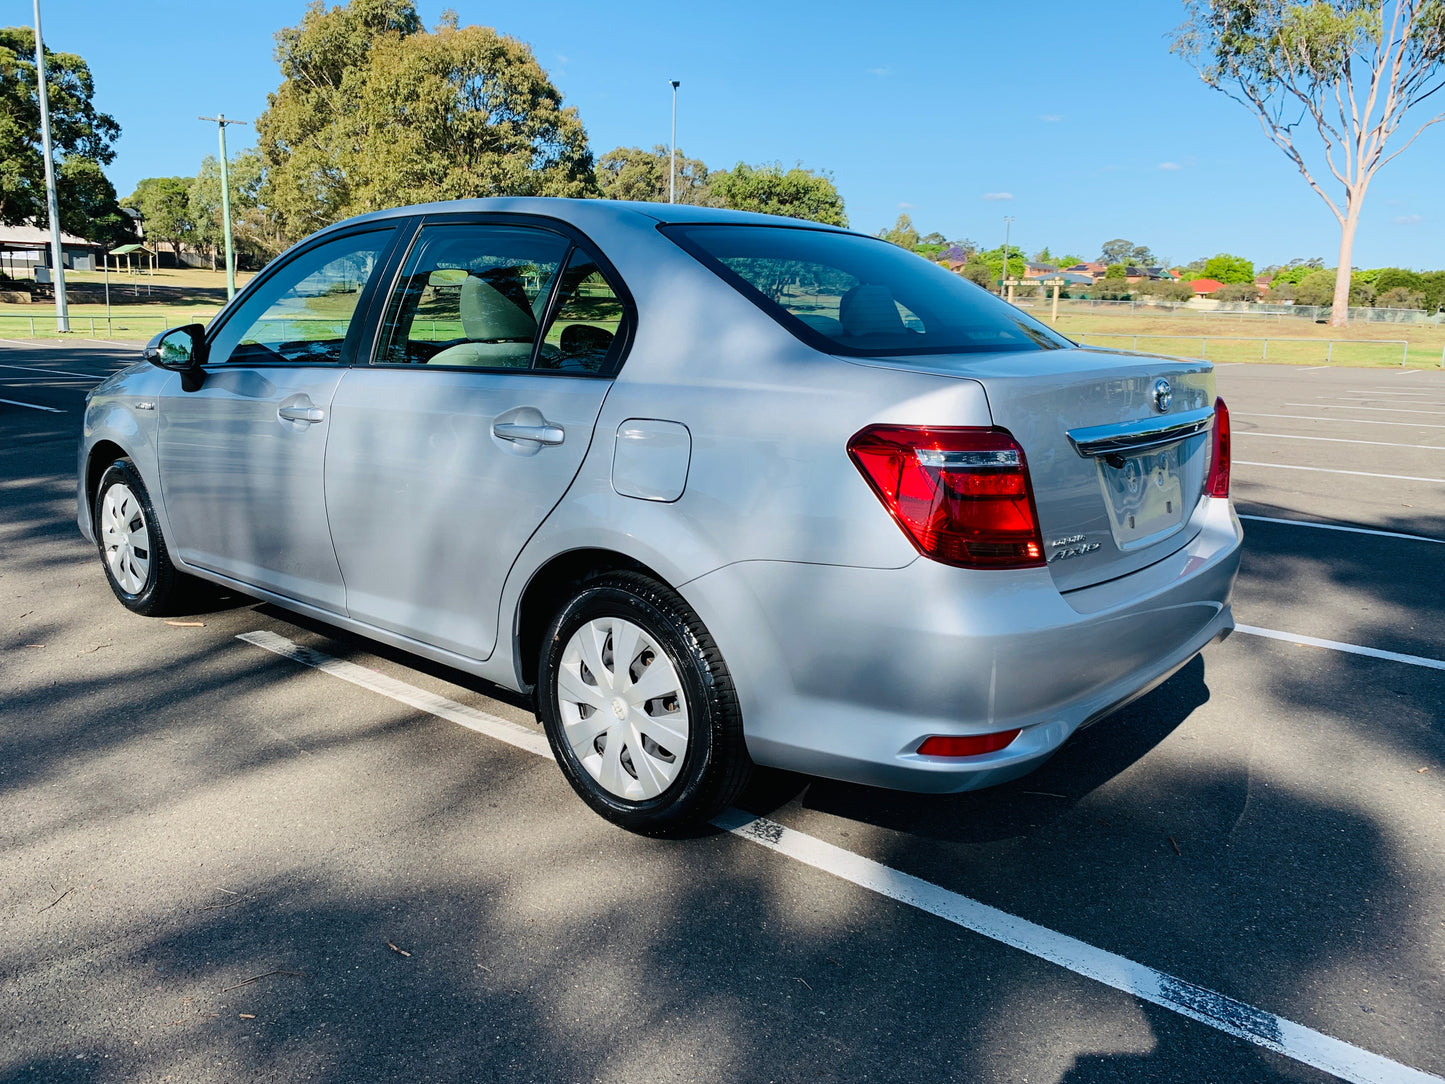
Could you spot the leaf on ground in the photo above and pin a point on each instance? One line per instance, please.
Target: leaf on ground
(186, 624)
(398, 950)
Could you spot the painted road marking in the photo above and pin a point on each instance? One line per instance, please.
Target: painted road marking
(1233, 1017)
(32, 406)
(1328, 470)
(1336, 645)
(56, 372)
(1339, 440)
(1382, 410)
(1379, 399)
(1342, 527)
(1343, 421)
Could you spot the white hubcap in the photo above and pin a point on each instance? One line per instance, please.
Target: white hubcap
(623, 709)
(126, 538)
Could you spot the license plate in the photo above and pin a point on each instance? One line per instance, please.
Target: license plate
(1144, 496)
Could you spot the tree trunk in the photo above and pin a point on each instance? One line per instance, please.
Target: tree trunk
(1340, 313)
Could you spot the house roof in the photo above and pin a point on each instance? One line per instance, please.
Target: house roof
(34, 237)
(1205, 286)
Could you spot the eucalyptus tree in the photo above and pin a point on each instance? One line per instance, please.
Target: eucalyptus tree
(1352, 72)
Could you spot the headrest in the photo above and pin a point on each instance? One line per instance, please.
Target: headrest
(488, 313)
(868, 309)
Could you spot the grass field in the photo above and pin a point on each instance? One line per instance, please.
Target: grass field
(140, 304)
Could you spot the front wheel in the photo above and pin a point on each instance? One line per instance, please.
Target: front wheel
(132, 550)
(639, 707)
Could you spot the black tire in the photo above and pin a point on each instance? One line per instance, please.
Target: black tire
(715, 765)
(152, 587)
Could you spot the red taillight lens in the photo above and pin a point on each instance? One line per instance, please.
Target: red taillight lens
(1217, 484)
(961, 495)
(969, 746)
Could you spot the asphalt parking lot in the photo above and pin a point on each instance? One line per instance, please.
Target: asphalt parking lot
(280, 858)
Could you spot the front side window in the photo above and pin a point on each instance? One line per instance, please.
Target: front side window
(861, 296)
(301, 314)
(472, 296)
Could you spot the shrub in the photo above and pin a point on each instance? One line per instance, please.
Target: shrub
(1116, 271)
(1400, 297)
(1237, 291)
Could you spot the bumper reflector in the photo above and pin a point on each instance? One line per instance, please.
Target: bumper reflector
(969, 745)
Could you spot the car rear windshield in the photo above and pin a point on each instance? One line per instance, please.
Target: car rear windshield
(861, 296)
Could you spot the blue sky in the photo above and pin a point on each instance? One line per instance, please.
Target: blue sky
(1076, 112)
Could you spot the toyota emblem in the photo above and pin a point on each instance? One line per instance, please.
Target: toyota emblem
(1163, 395)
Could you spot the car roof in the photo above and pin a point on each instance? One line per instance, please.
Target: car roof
(581, 211)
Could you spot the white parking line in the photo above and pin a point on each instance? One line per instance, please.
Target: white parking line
(1342, 527)
(1379, 399)
(1336, 645)
(1223, 1013)
(56, 372)
(22, 342)
(1346, 421)
(1328, 470)
(1383, 410)
(32, 406)
(1337, 440)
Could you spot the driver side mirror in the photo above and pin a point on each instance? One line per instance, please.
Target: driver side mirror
(181, 350)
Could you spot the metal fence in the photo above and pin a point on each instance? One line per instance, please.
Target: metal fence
(1284, 348)
(32, 327)
(1278, 313)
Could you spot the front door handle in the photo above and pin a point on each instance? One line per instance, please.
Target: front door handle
(309, 414)
(541, 434)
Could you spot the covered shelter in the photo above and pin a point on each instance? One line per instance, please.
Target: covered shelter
(140, 252)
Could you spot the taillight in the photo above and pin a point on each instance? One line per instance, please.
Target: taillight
(1217, 484)
(962, 496)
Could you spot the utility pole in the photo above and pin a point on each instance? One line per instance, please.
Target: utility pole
(57, 251)
(1003, 281)
(221, 122)
(672, 157)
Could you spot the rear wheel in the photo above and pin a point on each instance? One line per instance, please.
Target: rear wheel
(639, 707)
(132, 550)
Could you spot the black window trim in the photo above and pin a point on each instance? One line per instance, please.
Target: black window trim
(626, 329)
(360, 316)
(676, 233)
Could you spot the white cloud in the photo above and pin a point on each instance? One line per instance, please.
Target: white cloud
(907, 207)
(563, 60)
(1051, 118)
(1169, 167)
(995, 196)
(880, 71)
(1408, 220)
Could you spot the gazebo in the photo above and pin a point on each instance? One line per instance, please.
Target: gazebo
(140, 252)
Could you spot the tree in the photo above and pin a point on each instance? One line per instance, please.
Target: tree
(1400, 297)
(1116, 271)
(634, 174)
(374, 111)
(1016, 262)
(81, 136)
(978, 271)
(1229, 269)
(1126, 252)
(164, 204)
(254, 242)
(768, 189)
(902, 234)
(1355, 68)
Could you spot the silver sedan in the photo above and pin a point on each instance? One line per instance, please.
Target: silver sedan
(719, 489)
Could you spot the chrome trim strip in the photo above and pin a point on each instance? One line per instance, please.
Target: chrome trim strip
(1139, 436)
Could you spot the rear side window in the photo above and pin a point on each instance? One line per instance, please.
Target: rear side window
(860, 296)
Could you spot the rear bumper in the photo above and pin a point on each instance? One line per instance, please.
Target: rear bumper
(842, 672)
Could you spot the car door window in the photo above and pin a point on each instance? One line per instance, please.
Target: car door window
(302, 313)
(583, 334)
(473, 296)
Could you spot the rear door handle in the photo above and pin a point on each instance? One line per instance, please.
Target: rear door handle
(541, 434)
(310, 414)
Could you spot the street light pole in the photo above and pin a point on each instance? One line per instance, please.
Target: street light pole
(1003, 281)
(221, 122)
(57, 251)
(672, 157)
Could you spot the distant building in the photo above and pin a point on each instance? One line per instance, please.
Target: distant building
(23, 248)
(1205, 287)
